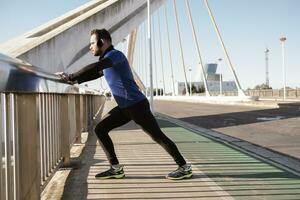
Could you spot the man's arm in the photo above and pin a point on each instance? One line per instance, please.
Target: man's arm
(91, 71)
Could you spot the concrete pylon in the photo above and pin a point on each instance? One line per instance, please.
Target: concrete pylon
(131, 47)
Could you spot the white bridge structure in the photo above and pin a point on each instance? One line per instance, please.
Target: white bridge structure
(41, 117)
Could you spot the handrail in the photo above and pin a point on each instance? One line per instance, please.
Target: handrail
(19, 76)
(41, 117)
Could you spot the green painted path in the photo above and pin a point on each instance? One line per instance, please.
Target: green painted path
(220, 171)
(240, 175)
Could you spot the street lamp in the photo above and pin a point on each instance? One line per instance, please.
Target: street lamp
(220, 77)
(190, 70)
(160, 89)
(282, 40)
(267, 66)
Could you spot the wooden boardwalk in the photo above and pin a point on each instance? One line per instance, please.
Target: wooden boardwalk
(220, 171)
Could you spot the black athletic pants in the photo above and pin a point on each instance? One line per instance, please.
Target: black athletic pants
(141, 114)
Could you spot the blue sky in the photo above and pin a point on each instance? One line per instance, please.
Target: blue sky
(247, 27)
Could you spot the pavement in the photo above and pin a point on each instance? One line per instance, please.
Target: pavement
(274, 128)
(221, 169)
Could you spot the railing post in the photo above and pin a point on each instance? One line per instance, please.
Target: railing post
(65, 129)
(84, 113)
(78, 111)
(28, 149)
(99, 106)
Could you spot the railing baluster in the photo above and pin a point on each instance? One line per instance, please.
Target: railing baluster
(51, 125)
(47, 134)
(41, 136)
(14, 142)
(55, 130)
(6, 150)
(44, 137)
(3, 180)
(58, 128)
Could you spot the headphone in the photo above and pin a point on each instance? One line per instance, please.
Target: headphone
(102, 34)
(100, 42)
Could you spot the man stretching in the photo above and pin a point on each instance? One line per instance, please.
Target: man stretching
(132, 105)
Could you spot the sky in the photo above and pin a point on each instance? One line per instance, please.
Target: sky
(247, 27)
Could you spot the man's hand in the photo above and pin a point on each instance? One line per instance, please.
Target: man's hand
(64, 76)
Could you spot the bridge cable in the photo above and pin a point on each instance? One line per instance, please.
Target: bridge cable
(161, 55)
(169, 49)
(180, 44)
(240, 91)
(154, 56)
(150, 57)
(197, 47)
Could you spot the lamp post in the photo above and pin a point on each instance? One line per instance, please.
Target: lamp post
(220, 77)
(267, 66)
(150, 55)
(282, 40)
(124, 40)
(160, 89)
(190, 70)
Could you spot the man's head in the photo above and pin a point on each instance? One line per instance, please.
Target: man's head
(100, 41)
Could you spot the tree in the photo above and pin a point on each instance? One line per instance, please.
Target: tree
(262, 87)
(160, 91)
(201, 89)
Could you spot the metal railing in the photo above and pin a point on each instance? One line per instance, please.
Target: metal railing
(275, 93)
(40, 118)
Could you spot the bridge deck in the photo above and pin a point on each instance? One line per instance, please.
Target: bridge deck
(220, 171)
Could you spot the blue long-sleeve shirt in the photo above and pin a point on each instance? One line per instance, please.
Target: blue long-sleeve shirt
(114, 65)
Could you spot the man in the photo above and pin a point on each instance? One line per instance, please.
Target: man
(132, 105)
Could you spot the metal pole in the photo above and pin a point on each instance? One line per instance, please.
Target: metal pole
(220, 77)
(221, 92)
(145, 60)
(267, 66)
(170, 54)
(283, 39)
(139, 52)
(150, 57)
(190, 70)
(161, 56)
(154, 58)
(197, 47)
(181, 51)
(240, 91)
(142, 56)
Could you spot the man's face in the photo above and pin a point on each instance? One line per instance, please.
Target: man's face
(96, 51)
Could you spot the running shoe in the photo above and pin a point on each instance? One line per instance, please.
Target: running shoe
(181, 173)
(111, 173)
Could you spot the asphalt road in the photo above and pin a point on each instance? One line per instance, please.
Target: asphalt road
(273, 128)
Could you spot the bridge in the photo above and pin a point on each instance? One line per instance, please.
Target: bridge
(239, 147)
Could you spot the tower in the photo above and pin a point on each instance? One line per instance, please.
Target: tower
(267, 66)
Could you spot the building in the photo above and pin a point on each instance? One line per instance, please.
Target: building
(213, 82)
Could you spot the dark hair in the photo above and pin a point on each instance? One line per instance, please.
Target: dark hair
(101, 34)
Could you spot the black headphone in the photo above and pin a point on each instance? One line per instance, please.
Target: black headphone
(102, 35)
(100, 42)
